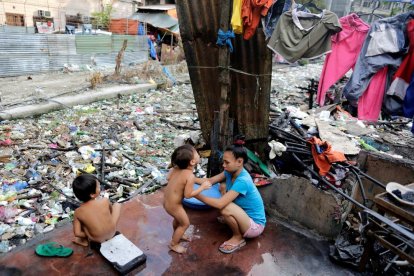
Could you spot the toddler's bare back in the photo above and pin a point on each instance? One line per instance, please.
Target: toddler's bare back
(95, 217)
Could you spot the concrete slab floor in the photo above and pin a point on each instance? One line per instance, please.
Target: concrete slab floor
(278, 251)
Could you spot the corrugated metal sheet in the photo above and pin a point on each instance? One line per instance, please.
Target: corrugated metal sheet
(28, 54)
(90, 44)
(23, 43)
(16, 29)
(250, 100)
(23, 53)
(129, 57)
(61, 44)
(134, 42)
(56, 62)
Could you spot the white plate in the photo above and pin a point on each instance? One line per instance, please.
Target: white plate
(403, 189)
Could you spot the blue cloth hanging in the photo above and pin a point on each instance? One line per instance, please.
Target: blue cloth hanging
(141, 30)
(168, 74)
(153, 52)
(224, 38)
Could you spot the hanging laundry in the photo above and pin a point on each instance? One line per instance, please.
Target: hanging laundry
(346, 46)
(236, 19)
(403, 75)
(370, 103)
(367, 66)
(252, 10)
(270, 20)
(409, 100)
(300, 34)
(324, 155)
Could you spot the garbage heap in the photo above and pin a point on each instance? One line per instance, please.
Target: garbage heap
(126, 142)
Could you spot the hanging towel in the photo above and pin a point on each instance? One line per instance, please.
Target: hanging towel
(236, 19)
(252, 10)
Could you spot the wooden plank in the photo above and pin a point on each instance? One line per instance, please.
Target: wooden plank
(387, 205)
(224, 79)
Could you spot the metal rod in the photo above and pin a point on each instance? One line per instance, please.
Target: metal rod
(360, 187)
(289, 134)
(328, 183)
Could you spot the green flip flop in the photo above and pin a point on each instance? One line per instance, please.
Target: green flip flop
(53, 249)
(257, 160)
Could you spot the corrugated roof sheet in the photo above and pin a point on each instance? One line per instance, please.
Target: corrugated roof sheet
(158, 7)
(249, 97)
(159, 20)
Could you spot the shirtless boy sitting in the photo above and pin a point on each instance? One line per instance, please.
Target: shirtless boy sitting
(180, 184)
(96, 219)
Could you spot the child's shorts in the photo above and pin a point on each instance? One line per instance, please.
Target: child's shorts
(254, 230)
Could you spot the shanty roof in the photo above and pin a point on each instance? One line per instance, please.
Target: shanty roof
(157, 7)
(158, 20)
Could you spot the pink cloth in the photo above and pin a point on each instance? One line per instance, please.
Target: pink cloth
(254, 230)
(346, 46)
(369, 104)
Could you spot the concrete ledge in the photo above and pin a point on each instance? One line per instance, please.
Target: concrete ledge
(69, 101)
(385, 169)
(299, 202)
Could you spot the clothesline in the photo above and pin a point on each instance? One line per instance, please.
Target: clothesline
(257, 76)
(230, 69)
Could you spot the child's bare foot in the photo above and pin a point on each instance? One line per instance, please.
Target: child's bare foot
(186, 238)
(81, 241)
(177, 248)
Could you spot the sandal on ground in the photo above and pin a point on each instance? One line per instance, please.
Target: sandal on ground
(231, 247)
(53, 249)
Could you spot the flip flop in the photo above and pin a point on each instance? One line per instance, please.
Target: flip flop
(233, 247)
(53, 249)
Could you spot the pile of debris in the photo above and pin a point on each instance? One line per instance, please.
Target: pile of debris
(126, 142)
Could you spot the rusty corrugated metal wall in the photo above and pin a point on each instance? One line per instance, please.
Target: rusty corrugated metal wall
(249, 97)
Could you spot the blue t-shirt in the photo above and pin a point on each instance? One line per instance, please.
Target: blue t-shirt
(249, 198)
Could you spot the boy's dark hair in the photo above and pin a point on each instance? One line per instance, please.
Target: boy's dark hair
(83, 186)
(182, 156)
(237, 148)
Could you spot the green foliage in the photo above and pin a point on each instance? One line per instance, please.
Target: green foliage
(102, 19)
